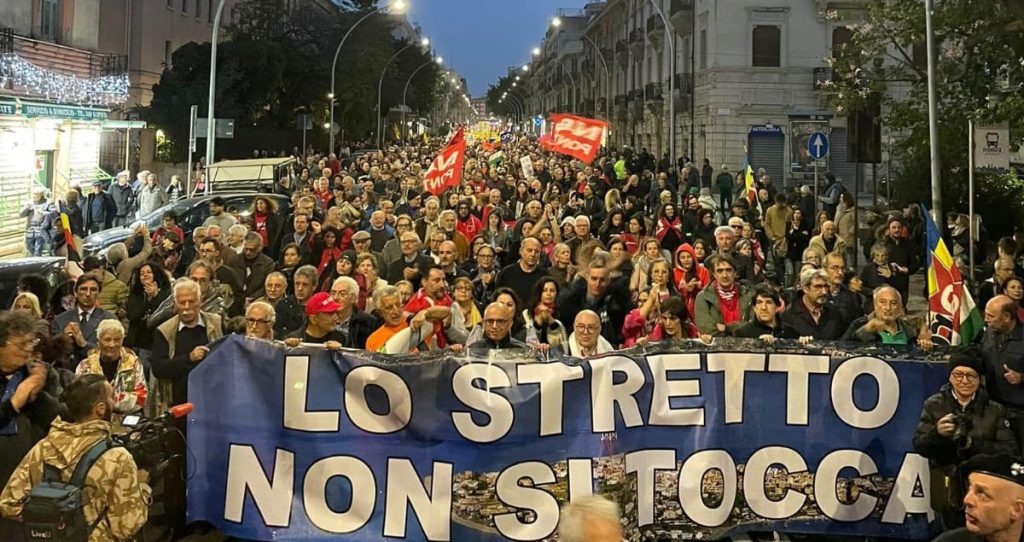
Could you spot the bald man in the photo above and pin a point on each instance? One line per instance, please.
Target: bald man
(994, 503)
(497, 324)
(1002, 349)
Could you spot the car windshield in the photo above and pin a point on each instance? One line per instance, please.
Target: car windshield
(155, 219)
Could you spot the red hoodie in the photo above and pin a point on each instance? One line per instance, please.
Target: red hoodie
(681, 277)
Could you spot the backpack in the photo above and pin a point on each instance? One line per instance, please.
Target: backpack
(54, 509)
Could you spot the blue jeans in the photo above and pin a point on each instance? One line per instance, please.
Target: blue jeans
(36, 244)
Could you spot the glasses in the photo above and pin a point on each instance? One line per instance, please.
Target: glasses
(253, 322)
(725, 270)
(495, 322)
(964, 377)
(586, 328)
(25, 344)
(463, 288)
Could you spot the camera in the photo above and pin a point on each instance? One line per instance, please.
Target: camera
(152, 443)
(964, 425)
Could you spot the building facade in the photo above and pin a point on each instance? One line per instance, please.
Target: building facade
(746, 81)
(57, 91)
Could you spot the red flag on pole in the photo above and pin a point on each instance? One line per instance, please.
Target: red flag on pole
(446, 169)
(578, 137)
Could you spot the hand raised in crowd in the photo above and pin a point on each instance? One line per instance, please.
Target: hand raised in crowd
(946, 426)
(1011, 376)
(29, 388)
(410, 273)
(74, 330)
(885, 271)
(198, 353)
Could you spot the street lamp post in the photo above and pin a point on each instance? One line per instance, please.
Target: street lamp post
(397, 6)
(439, 61)
(933, 121)
(210, 131)
(575, 90)
(380, 89)
(557, 23)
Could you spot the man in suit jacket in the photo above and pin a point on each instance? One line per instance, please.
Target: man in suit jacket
(257, 266)
(80, 323)
(302, 236)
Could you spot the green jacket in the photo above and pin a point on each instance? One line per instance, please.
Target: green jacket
(724, 182)
(707, 313)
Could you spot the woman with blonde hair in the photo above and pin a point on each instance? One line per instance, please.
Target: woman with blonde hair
(28, 303)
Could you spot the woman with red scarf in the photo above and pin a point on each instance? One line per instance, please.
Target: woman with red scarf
(670, 228)
(689, 275)
(634, 233)
(265, 222)
(328, 247)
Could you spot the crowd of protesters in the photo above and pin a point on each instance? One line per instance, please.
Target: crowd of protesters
(568, 258)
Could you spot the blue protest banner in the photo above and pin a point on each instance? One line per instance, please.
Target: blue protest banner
(297, 444)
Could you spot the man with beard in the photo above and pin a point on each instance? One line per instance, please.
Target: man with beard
(468, 225)
(117, 495)
(257, 266)
(428, 222)
(765, 323)
(809, 315)
(446, 224)
(886, 324)
(723, 303)
(217, 215)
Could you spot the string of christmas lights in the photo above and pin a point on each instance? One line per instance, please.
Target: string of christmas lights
(102, 91)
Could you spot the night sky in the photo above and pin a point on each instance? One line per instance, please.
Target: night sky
(482, 38)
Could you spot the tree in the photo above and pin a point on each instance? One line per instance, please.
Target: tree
(495, 102)
(979, 44)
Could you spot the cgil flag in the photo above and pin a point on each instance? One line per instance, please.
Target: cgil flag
(578, 137)
(953, 319)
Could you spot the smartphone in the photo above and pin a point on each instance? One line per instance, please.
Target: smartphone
(131, 420)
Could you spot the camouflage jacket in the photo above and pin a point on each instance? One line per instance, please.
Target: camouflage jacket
(112, 483)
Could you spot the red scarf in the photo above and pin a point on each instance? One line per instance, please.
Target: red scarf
(665, 226)
(420, 301)
(729, 301)
(259, 224)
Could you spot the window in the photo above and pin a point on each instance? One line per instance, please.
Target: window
(168, 51)
(170, 4)
(840, 38)
(703, 48)
(198, 9)
(49, 19)
(767, 45)
(209, 11)
(184, 7)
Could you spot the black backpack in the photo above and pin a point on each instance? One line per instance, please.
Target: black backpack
(54, 509)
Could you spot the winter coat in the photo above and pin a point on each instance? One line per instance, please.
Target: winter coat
(129, 383)
(36, 215)
(112, 484)
(104, 218)
(114, 293)
(124, 199)
(707, 310)
(151, 198)
(990, 432)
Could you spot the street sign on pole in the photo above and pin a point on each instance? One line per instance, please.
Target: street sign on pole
(817, 145)
(817, 148)
(222, 128)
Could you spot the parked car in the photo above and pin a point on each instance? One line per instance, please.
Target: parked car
(192, 212)
(49, 267)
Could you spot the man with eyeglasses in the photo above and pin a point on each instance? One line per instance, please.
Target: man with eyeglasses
(586, 340)
(808, 314)
(486, 273)
(392, 250)
(80, 323)
(321, 319)
(723, 303)
(412, 262)
(845, 302)
(1002, 349)
(354, 325)
(259, 320)
(211, 252)
(497, 324)
(27, 403)
(886, 324)
(957, 423)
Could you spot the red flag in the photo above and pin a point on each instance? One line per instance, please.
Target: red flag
(446, 169)
(578, 137)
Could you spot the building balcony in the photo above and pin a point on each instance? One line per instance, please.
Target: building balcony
(622, 53)
(683, 91)
(620, 100)
(656, 31)
(587, 107)
(681, 15)
(652, 92)
(57, 73)
(636, 42)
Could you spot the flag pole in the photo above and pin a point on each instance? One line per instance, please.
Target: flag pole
(970, 197)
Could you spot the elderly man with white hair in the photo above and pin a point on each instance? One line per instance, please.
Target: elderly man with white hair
(259, 320)
(593, 518)
(179, 345)
(887, 323)
(586, 340)
(355, 325)
(151, 196)
(120, 366)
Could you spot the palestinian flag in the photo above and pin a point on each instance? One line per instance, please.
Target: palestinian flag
(952, 316)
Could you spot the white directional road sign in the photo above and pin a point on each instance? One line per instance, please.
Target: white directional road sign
(817, 145)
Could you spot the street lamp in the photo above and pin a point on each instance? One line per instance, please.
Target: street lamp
(556, 22)
(536, 51)
(438, 60)
(526, 67)
(670, 34)
(210, 132)
(396, 6)
(380, 88)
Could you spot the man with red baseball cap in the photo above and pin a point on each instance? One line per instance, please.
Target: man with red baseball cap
(321, 318)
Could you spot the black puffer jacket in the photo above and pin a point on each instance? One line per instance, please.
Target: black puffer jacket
(990, 433)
